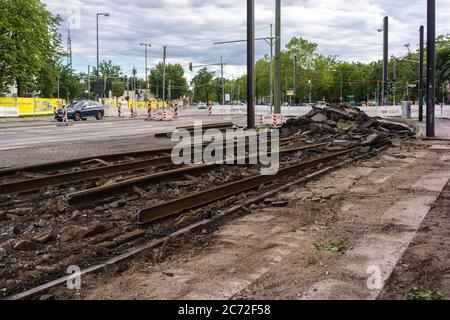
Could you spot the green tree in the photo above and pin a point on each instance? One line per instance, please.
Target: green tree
(30, 46)
(203, 85)
(174, 73)
(70, 86)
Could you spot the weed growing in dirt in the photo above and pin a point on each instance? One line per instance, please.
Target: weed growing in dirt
(338, 246)
(425, 294)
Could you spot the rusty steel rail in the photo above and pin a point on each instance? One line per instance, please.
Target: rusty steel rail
(99, 193)
(199, 199)
(135, 251)
(78, 161)
(33, 184)
(205, 127)
(77, 176)
(106, 157)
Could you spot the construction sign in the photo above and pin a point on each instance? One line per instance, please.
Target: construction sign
(19, 107)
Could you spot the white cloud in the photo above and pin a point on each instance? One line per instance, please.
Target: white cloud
(189, 28)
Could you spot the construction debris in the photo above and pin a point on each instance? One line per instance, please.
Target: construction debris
(345, 127)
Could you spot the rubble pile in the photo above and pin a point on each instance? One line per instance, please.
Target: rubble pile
(344, 126)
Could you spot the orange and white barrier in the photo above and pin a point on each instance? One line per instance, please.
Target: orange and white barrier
(271, 120)
(163, 115)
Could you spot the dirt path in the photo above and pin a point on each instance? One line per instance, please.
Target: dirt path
(370, 213)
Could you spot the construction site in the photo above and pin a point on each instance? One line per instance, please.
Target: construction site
(165, 200)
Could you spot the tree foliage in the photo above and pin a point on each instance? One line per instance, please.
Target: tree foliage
(174, 73)
(30, 45)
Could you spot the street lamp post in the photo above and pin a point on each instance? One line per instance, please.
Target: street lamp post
(98, 59)
(431, 67)
(146, 45)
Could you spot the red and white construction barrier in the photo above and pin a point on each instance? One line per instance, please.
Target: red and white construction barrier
(163, 115)
(210, 109)
(271, 120)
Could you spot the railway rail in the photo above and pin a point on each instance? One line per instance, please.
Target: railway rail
(311, 168)
(79, 174)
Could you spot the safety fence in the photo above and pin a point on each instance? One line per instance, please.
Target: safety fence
(442, 112)
(132, 104)
(23, 107)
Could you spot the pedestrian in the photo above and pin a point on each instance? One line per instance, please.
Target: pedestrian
(65, 117)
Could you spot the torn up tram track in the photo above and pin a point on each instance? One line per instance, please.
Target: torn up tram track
(215, 220)
(73, 163)
(28, 185)
(99, 193)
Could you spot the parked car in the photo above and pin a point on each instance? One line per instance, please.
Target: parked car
(82, 110)
(202, 106)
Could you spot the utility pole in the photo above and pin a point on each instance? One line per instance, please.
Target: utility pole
(295, 77)
(170, 91)
(89, 82)
(223, 80)
(98, 58)
(277, 89)
(146, 45)
(250, 64)
(69, 47)
(378, 93)
(431, 67)
(271, 68)
(421, 60)
(394, 81)
(385, 58)
(104, 87)
(310, 91)
(164, 75)
(221, 65)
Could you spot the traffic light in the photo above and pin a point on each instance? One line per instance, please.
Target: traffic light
(190, 66)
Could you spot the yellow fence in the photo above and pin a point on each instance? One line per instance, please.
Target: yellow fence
(137, 104)
(18, 107)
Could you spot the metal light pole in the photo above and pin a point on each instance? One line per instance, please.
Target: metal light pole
(277, 89)
(431, 67)
(89, 82)
(250, 64)
(421, 55)
(310, 91)
(394, 88)
(146, 45)
(295, 77)
(271, 68)
(385, 58)
(223, 80)
(164, 75)
(98, 59)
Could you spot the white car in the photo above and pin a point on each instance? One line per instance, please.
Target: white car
(202, 106)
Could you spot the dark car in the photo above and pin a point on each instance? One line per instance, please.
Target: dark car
(82, 110)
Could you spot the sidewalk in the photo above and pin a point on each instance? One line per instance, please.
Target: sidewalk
(442, 129)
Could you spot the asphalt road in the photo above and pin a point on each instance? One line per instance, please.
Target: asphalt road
(29, 134)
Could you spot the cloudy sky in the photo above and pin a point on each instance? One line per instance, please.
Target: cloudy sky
(189, 27)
